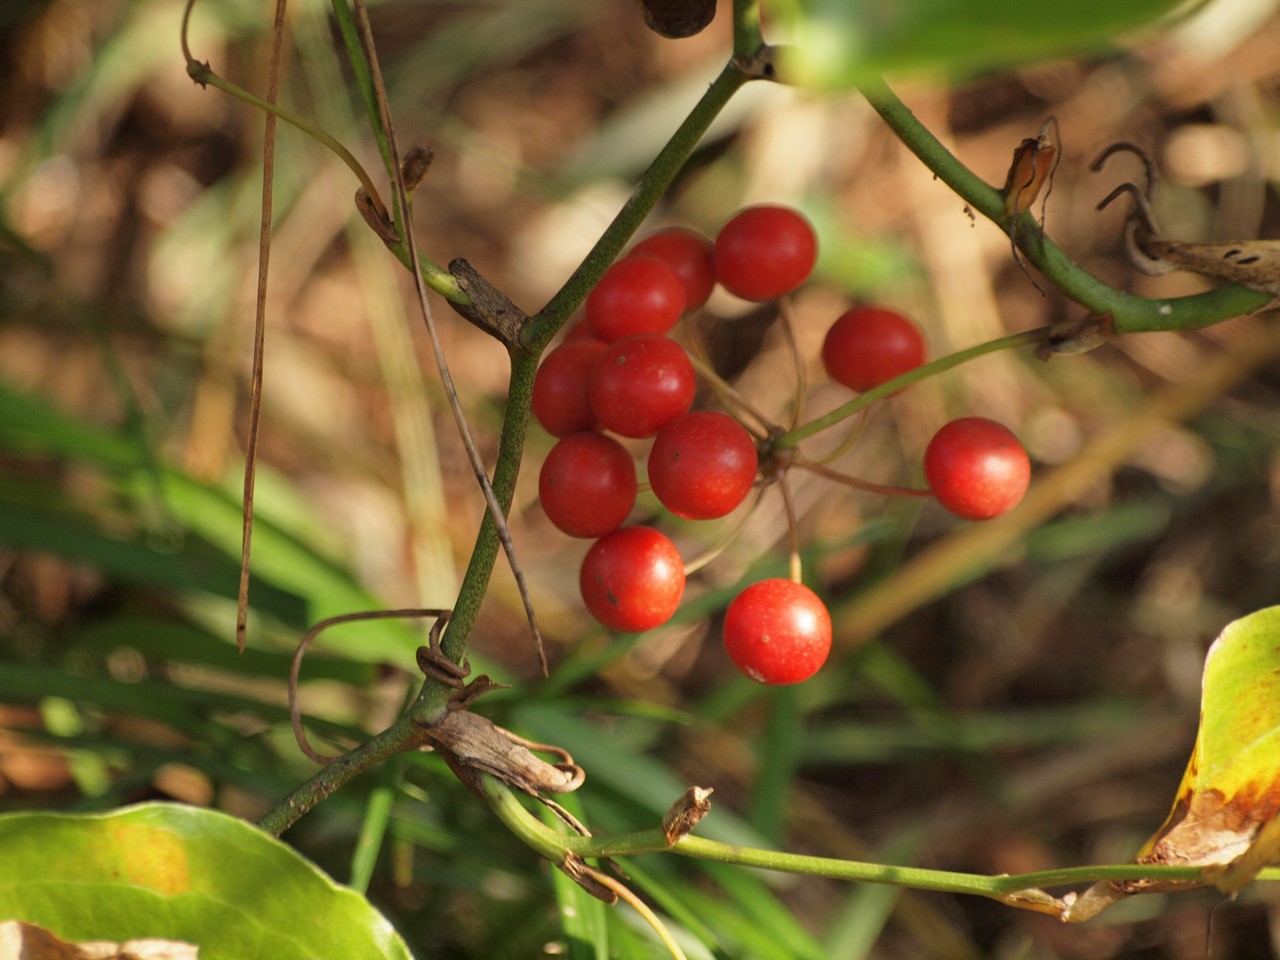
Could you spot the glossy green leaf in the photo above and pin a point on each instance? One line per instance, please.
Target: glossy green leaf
(181, 873)
(841, 43)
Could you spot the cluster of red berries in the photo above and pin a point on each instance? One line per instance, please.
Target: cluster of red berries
(620, 371)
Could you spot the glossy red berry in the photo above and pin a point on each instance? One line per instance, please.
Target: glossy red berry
(689, 255)
(977, 468)
(632, 580)
(867, 346)
(638, 294)
(587, 485)
(777, 632)
(560, 400)
(764, 252)
(702, 465)
(641, 382)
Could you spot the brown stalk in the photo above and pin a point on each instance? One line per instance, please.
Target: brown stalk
(259, 325)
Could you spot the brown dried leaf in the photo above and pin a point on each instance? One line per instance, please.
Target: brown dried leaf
(26, 941)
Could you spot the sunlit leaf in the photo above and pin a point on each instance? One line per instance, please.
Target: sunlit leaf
(164, 871)
(1226, 806)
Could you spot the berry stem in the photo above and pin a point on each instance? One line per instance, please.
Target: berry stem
(858, 484)
(707, 556)
(730, 395)
(787, 312)
(1127, 313)
(795, 570)
(793, 437)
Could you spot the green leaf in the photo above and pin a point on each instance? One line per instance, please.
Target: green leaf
(841, 43)
(181, 873)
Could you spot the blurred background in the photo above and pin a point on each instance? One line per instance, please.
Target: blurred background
(1038, 714)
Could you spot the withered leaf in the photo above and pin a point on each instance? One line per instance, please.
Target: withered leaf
(26, 941)
(1225, 813)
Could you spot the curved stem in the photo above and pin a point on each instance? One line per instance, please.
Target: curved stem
(730, 396)
(708, 555)
(642, 908)
(856, 429)
(795, 570)
(1128, 313)
(436, 277)
(787, 313)
(203, 74)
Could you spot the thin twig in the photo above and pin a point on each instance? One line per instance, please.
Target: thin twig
(1025, 338)
(857, 483)
(204, 75)
(787, 314)
(857, 427)
(708, 555)
(795, 571)
(729, 395)
(259, 323)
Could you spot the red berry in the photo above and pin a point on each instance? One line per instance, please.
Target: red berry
(702, 465)
(560, 399)
(689, 255)
(867, 346)
(764, 252)
(632, 580)
(777, 632)
(641, 382)
(977, 468)
(638, 294)
(587, 485)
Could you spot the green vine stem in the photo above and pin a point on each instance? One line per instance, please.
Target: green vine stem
(402, 735)
(1127, 313)
(557, 846)
(484, 554)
